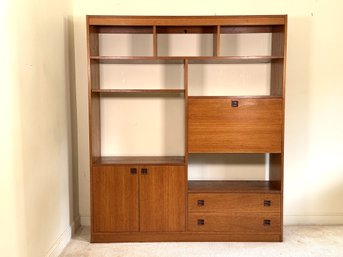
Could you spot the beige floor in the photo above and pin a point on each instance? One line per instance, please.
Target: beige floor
(299, 241)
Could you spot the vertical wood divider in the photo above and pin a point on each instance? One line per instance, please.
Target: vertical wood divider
(185, 77)
(216, 42)
(154, 31)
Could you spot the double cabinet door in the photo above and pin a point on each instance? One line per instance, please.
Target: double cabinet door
(129, 198)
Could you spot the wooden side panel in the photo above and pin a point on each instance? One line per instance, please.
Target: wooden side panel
(215, 126)
(115, 199)
(234, 223)
(233, 202)
(162, 198)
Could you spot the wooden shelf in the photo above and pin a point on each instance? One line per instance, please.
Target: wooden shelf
(239, 186)
(237, 97)
(237, 20)
(139, 91)
(137, 60)
(181, 59)
(232, 59)
(139, 160)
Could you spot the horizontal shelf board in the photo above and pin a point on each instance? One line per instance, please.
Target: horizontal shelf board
(181, 59)
(139, 91)
(232, 59)
(139, 160)
(138, 59)
(225, 186)
(237, 97)
(186, 20)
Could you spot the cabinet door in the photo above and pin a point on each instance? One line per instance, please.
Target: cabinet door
(162, 198)
(234, 125)
(115, 199)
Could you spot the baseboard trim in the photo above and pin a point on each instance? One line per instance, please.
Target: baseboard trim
(63, 240)
(313, 219)
(61, 243)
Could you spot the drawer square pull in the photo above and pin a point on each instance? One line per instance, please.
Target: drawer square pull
(234, 103)
(266, 223)
(201, 202)
(201, 222)
(267, 203)
(133, 171)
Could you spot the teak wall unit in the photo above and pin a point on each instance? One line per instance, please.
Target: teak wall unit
(149, 198)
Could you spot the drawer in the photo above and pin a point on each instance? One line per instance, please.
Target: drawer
(233, 202)
(215, 125)
(234, 222)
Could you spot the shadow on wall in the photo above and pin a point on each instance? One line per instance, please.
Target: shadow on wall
(72, 116)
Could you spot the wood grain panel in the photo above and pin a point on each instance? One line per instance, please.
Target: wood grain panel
(184, 237)
(234, 223)
(186, 20)
(252, 127)
(233, 202)
(162, 198)
(115, 199)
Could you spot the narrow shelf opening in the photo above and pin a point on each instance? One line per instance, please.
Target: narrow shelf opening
(139, 160)
(238, 186)
(228, 167)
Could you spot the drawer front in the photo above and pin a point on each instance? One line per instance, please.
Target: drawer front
(216, 125)
(234, 222)
(233, 202)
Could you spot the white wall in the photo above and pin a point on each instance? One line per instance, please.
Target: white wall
(313, 162)
(36, 174)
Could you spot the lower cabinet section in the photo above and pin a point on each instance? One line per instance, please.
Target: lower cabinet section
(234, 222)
(129, 198)
(148, 203)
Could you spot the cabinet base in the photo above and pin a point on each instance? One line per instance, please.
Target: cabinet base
(182, 237)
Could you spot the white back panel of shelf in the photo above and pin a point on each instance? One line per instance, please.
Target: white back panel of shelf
(141, 76)
(229, 79)
(125, 44)
(142, 126)
(227, 167)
